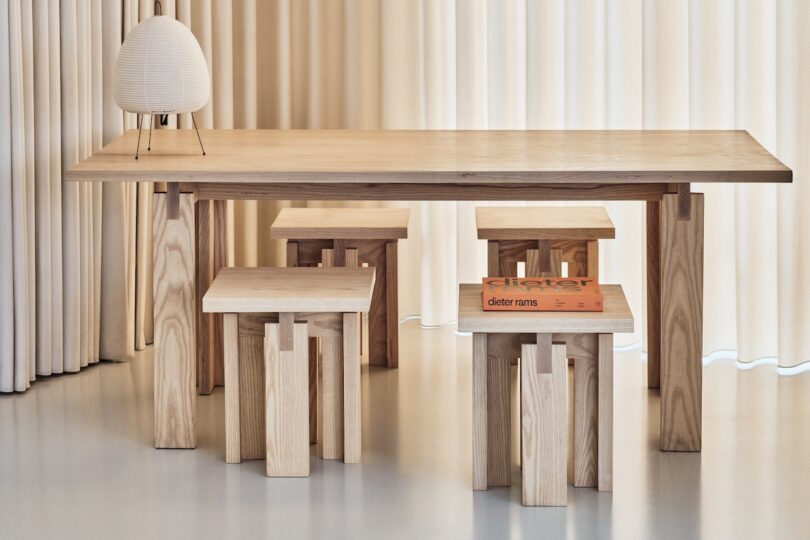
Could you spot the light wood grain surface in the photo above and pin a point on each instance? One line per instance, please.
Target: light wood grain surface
(352, 408)
(469, 157)
(233, 428)
(175, 327)
(543, 423)
(616, 318)
(543, 223)
(681, 325)
(277, 290)
(286, 401)
(341, 223)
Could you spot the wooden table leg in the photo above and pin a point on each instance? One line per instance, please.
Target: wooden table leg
(543, 404)
(205, 321)
(219, 246)
(681, 324)
(653, 294)
(175, 355)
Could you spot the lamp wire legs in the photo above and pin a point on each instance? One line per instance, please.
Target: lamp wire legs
(194, 122)
(151, 123)
(140, 127)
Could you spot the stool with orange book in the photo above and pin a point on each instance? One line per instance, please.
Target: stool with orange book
(543, 321)
(551, 241)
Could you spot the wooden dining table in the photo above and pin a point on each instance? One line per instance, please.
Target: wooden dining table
(653, 167)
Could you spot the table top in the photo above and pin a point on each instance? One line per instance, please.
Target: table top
(429, 156)
(290, 290)
(616, 318)
(543, 223)
(341, 223)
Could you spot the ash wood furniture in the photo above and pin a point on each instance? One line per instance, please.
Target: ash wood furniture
(651, 166)
(373, 233)
(543, 341)
(543, 237)
(269, 315)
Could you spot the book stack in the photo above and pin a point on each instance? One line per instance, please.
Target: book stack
(542, 294)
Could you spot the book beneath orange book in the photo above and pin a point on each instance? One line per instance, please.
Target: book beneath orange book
(542, 294)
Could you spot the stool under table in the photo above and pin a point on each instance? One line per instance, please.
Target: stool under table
(326, 236)
(269, 316)
(543, 341)
(543, 237)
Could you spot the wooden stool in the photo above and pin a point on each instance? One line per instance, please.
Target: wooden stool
(543, 340)
(269, 314)
(374, 233)
(543, 237)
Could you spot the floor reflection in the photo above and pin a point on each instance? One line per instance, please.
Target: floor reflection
(76, 459)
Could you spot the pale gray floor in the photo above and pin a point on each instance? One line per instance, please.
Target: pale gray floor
(76, 461)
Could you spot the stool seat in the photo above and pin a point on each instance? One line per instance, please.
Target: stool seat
(616, 317)
(290, 290)
(543, 223)
(341, 223)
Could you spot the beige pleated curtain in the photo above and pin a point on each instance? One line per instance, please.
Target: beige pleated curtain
(75, 274)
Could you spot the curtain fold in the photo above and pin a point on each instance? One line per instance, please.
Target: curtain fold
(66, 250)
(75, 259)
(541, 64)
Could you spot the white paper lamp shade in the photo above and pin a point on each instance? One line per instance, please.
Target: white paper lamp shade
(161, 69)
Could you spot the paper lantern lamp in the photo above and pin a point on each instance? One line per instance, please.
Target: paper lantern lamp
(161, 70)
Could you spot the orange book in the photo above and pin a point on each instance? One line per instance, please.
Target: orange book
(542, 294)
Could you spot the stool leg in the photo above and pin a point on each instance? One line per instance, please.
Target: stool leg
(205, 321)
(543, 376)
(653, 294)
(352, 425)
(287, 399)
(479, 413)
(377, 256)
(593, 259)
(499, 433)
(233, 432)
(313, 390)
(585, 418)
(605, 443)
(251, 386)
(330, 392)
(392, 304)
